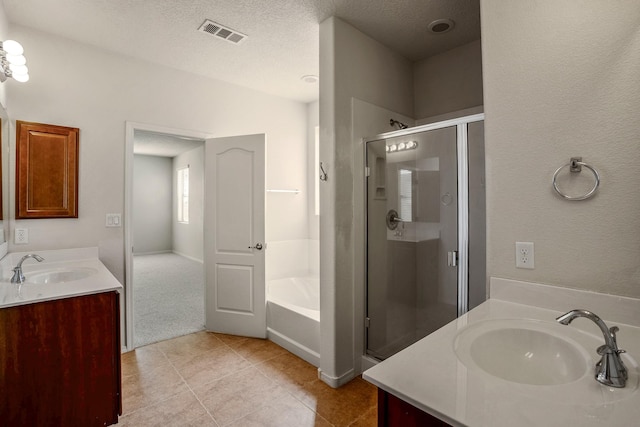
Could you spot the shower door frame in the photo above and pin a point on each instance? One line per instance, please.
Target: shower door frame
(462, 160)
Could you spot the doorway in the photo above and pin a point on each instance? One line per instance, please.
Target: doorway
(425, 231)
(232, 230)
(164, 253)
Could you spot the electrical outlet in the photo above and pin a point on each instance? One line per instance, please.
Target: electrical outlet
(524, 255)
(21, 236)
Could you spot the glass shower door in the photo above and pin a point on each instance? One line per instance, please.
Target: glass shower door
(412, 238)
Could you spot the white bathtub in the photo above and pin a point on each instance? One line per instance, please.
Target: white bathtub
(293, 315)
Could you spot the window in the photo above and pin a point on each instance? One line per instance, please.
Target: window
(183, 195)
(405, 181)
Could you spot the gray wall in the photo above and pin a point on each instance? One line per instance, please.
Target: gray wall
(450, 81)
(152, 204)
(562, 79)
(99, 91)
(352, 65)
(363, 84)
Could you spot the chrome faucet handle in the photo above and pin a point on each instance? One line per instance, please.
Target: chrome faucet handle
(610, 370)
(613, 330)
(17, 277)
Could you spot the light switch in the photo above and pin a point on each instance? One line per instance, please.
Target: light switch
(113, 220)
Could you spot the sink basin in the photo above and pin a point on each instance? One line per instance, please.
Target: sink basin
(59, 275)
(523, 351)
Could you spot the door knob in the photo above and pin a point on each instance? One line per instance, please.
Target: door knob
(258, 246)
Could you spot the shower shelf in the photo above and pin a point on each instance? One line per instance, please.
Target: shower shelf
(284, 191)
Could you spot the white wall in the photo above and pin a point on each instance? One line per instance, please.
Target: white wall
(562, 79)
(188, 238)
(4, 35)
(78, 85)
(449, 81)
(152, 204)
(313, 120)
(352, 65)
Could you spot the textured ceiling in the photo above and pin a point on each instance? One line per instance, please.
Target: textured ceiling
(158, 144)
(282, 43)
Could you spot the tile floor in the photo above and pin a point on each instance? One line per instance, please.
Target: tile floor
(206, 379)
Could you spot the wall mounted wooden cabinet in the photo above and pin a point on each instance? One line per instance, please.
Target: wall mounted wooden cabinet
(46, 171)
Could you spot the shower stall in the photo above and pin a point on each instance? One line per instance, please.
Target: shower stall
(425, 230)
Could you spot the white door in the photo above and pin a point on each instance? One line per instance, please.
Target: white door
(234, 235)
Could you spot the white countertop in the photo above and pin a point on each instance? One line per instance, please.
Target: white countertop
(100, 279)
(430, 376)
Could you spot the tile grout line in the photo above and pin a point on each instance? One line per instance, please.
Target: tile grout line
(251, 364)
(161, 400)
(254, 365)
(189, 386)
(295, 397)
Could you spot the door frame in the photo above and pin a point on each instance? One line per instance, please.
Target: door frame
(131, 127)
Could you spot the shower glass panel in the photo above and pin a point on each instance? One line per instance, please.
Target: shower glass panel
(412, 236)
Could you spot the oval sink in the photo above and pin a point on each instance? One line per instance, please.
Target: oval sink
(59, 275)
(525, 352)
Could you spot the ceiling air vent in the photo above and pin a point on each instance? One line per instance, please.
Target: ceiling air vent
(220, 31)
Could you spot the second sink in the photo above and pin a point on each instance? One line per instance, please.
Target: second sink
(59, 275)
(522, 351)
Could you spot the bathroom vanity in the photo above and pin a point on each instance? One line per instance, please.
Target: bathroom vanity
(60, 342)
(509, 362)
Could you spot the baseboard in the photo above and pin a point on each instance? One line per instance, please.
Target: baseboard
(151, 253)
(294, 347)
(336, 382)
(188, 257)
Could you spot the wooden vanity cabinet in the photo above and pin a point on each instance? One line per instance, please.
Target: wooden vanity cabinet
(395, 412)
(60, 362)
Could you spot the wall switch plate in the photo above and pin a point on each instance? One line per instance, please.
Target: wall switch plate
(524, 255)
(113, 220)
(21, 236)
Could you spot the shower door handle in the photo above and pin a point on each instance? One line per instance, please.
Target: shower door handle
(452, 258)
(258, 246)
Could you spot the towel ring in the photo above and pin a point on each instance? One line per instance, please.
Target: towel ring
(575, 165)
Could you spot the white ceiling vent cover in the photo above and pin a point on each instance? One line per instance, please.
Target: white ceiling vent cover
(220, 31)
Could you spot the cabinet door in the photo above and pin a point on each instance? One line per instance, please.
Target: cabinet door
(46, 171)
(60, 362)
(395, 412)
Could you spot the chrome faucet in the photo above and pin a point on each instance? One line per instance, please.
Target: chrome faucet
(610, 370)
(18, 277)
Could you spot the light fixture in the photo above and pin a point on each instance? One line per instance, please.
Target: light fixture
(13, 62)
(402, 146)
(441, 26)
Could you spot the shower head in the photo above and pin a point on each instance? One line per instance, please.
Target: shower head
(400, 125)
